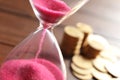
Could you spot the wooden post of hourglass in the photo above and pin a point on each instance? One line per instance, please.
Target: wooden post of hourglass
(70, 40)
(86, 29)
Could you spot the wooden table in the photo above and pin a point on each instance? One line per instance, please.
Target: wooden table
(17, 21)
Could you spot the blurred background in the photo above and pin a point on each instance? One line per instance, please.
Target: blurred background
(17, 21)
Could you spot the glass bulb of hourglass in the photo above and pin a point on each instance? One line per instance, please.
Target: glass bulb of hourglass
(38, 57)
(49, 12)
(55, 11)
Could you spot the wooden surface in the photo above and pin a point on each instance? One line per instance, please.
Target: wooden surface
(17, 21)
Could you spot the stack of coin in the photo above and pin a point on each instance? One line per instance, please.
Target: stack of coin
(115, 50)
(92, 56)
(99, 64)
(81, 67)
(113, 69)
(86, 29)
(95, 44)
(105, 66)
(97, 75)
(70, 40)
(109, 55)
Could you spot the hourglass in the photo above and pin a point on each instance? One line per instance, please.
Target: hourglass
(39, 57)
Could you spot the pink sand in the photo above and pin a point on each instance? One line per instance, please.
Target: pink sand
(51, 11)
(29, 70)
(52, 68)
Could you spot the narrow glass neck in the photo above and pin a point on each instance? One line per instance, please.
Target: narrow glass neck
(45, 25)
